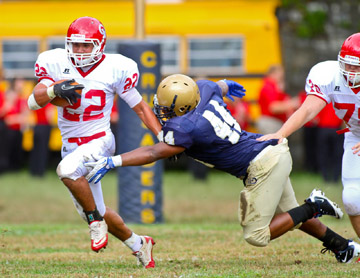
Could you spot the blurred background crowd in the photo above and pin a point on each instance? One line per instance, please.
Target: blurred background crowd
(268, 46)
(30, 139)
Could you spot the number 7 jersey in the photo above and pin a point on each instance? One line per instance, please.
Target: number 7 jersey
(113, 74)
(211, 135)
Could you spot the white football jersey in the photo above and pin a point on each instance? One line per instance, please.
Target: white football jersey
(113, 74)
(325, 81)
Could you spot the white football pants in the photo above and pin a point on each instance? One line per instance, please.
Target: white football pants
(351, 175)
(72, 167)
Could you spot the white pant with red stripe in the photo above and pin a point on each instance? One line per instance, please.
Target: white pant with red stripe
(72, 164)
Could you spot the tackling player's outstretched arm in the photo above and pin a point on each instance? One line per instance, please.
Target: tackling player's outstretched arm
(137, 157)
(149, 154)
(307, 111)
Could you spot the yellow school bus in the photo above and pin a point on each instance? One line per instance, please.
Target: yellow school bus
(233, 39)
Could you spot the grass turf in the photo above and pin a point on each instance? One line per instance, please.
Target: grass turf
(41, 234)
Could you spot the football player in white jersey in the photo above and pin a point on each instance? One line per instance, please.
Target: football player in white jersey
(336, 82)
(85, 122)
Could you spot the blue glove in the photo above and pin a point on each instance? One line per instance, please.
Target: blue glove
(100, 168)
(235, 89)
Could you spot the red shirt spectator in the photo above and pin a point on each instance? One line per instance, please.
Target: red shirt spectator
(270, 93)
(276, 105)
(2, 101)
(43, 116)
(15, 105)
(15, 118)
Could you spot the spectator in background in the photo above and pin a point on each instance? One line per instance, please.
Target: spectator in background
(329, 144)
(39, 155)
(16, 117)
(275, 104)
(3, 128)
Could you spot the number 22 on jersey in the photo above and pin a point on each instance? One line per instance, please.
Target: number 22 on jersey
(87, 116)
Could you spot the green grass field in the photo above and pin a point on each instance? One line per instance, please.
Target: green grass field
(41, 234)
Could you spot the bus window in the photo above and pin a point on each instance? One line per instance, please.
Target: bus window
(19, 56)
(215, 56)
(56, 43)
(170, 53)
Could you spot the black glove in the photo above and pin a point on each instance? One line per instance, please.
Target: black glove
(67, 91)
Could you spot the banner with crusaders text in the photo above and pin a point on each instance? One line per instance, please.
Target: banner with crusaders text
(139, 187)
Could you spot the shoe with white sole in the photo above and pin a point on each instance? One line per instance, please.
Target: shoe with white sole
(98, 234)
(144, 255)
(324, 206)
(347, 255)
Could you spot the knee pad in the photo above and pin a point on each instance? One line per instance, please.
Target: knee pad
(351, 197)
(71, 167)
(64, 170)
(259, 237)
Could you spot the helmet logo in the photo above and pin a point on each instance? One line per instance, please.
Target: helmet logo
(102, 30)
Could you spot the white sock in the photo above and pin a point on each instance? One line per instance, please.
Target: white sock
(133, 242)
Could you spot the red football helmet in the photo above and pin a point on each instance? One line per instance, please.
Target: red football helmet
(86, 30)
(349, 60)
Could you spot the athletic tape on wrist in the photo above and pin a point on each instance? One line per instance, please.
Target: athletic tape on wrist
(117, 160)
(50, 92)
(32, 104)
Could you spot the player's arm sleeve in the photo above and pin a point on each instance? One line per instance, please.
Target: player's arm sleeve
(126, 85)
(132, 97)
(209, 87)
(41, 71)
(176, 136)
(317, 83)
(42, 68)
(39, 97)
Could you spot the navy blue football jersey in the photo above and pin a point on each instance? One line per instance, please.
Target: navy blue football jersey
(211, 135)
